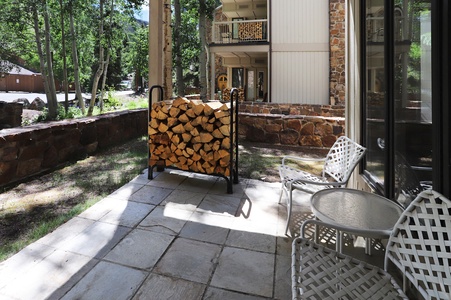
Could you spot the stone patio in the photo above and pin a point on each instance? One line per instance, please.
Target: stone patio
(178, 236)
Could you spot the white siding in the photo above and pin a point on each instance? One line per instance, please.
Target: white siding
(300, 51)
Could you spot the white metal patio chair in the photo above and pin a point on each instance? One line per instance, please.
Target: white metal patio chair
(419, 248)
(343, 157)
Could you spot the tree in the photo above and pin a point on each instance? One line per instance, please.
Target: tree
(136, 55)
(189, 41)
(75, 59)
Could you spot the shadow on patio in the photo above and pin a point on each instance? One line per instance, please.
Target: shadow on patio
(178, 236)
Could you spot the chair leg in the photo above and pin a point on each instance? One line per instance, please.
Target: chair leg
(289, 208)
(282, 188)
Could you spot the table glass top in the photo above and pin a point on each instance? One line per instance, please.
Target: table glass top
(355, 209)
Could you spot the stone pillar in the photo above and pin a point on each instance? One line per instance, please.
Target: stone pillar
(337, 30)
(155, 43)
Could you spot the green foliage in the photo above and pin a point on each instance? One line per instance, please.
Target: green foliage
(111, 101)
(140, 103)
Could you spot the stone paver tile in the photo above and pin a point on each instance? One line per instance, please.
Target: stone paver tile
(96, 240)
(20, 263)
(259, 226)
(252, 241)
(183, 200)
(245, 271)
(141, 179)
(100, 209)
(190, 260)
(151, 195)
(220, 188)
(298, 215)
(167, 288)
(107, 281)
(205, 233)
(140, 249)
(284, 245)
(65, 232)
(166, 220)
(259, 211)
(220, 294)
(198, 184)
(51, 277)
(282, 287)
(167, 179)
(223, 221)
(262, 191)
(126, 191)
(220, 205)
(127, 213)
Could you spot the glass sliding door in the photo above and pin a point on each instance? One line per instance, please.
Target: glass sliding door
(375, 91)
(413, 87)
(398, 94)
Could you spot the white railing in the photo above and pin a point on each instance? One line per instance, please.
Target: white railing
(240, 31)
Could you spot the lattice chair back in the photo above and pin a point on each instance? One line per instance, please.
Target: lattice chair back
(420, 245)
(343, 157)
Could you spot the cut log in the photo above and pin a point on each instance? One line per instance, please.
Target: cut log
(225, 130)
(172, 121)
(188, 126)
(180, 102)
(217, 134)
(178, 129)
(154, 123)
(163, 127)
(183, 118)
(186, 137)
(174, 112)
(205, 137)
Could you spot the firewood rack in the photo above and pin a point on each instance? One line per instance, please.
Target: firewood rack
(232, 177)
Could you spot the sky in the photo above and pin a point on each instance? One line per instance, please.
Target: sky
(144, 15)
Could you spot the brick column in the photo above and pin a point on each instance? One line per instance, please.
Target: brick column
(337, 51)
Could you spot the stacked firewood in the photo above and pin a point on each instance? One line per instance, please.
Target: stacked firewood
(191, 136)
(226, 94)
(250, 31)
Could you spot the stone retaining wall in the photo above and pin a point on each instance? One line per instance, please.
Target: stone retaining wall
(292, 109)
(27, 151)
(306, 131)
(10, 114)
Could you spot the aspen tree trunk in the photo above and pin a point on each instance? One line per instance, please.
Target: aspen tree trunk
(99, 71)
(63, 44)
(52, 101)
(78, 94)
(167, 50)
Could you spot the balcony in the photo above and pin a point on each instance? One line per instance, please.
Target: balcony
(233, 32)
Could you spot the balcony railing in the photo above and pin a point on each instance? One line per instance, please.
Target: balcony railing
(240, 31)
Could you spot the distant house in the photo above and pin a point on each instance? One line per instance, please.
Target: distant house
(21, 79)
(288, 52)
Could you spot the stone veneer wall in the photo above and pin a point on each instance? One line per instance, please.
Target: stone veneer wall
(296, 125)
(30, 150)
(337, 32)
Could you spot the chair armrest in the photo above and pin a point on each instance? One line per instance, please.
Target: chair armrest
(326, 183)
(299, 158)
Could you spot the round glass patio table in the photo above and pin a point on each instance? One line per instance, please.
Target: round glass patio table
(356, 212)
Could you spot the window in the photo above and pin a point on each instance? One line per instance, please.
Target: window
(237, 77)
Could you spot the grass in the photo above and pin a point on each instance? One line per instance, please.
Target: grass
(35, 208)
(32, 209)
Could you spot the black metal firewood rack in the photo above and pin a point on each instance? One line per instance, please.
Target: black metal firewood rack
(232, 177)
